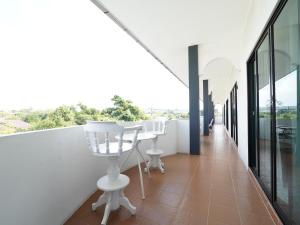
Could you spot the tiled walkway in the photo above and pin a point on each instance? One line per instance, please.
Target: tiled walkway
(211, 189)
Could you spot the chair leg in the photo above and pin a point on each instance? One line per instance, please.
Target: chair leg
(161, 166)
(147, 168)
(162, 163)
(126, 203)
(101, 200)
(107, 210)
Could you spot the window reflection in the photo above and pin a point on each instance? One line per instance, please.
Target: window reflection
(286, 44)
(264, 113)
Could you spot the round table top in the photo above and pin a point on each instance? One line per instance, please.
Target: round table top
(141, 136)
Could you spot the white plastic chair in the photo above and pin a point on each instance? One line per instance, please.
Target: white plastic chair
(159, 128)
(99, 136)
(94, 131)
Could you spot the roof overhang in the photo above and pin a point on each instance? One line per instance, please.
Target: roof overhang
(166, 29)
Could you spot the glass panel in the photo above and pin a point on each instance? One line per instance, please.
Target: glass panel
(234, 114)
(255, 114)
(286, 45)
(264, 113)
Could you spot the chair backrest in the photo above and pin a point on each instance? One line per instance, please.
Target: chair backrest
(159, 126)
(94, 131)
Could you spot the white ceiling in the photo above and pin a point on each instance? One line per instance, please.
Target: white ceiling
(168, 27)
(221, 75)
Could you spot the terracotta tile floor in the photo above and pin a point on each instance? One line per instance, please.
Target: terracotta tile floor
(211, 189)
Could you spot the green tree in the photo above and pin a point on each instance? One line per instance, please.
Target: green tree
(73, 115)
(33, 117)
(83, 113)
(124, 110)
(44, 124)
(61, 117)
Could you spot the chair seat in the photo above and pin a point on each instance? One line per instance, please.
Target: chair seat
(154, 152)
(105, 185)
(113, 149)
(158, 133)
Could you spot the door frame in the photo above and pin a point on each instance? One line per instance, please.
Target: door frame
(234, 114)
(252, 145)
(226, 119)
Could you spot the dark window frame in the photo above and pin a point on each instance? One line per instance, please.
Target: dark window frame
(234, 114)
(252, 145)
(226, 113)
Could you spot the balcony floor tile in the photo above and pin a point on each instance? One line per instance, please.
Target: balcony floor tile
(211, 189)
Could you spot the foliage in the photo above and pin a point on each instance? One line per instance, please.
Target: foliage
(286, 115)
(170, 114)
(124, 110)
(83, 114)
(264, 114)
(33, 117)
(64, 115)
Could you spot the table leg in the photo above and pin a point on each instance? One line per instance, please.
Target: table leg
(141, 176)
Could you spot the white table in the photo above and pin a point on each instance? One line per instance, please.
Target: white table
(141, 137)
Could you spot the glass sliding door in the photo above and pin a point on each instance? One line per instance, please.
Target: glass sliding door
(224, 114)
(274, 111)
(264, 113)
(235, 114)
(287, 90)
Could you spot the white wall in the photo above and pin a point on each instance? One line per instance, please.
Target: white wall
(183, 134)
(45, 176)
(259, 14)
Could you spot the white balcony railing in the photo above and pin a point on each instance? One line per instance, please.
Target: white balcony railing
(46, 175)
